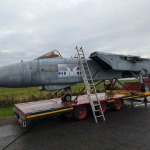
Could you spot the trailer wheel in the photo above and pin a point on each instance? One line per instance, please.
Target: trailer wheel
(103, 106)
(66, 97)
(80, 112)
(117, 104)
(144, 88)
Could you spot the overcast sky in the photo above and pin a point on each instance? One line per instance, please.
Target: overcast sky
(30, 28)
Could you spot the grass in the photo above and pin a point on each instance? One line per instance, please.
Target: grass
(11, 96)
(23, 92)
(6, 112)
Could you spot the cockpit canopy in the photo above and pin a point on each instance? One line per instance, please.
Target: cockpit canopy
(51, 54)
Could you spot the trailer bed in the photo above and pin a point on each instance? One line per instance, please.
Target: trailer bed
(26, 112)
(31, 108)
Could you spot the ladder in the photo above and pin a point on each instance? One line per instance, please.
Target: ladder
(89, 84)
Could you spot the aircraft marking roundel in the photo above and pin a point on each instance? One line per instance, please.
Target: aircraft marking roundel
(71, 73)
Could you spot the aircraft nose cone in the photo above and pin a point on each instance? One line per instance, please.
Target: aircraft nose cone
(4, 77)
(10, 76)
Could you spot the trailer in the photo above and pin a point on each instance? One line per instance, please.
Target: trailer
(26, 112)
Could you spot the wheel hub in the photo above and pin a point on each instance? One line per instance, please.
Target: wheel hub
(118, 105)
(81, 113)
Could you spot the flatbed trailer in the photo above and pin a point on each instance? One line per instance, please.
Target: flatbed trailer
(26, 112)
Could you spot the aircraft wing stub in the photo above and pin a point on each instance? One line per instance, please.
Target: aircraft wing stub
(110, 61)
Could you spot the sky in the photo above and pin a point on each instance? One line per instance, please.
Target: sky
(31, 28)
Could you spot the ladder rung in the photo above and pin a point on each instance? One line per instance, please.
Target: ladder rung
(96, 105)
(90, 79)
(96, 110)
(99, 116)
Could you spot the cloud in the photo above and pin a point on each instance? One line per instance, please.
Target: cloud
(29, 29)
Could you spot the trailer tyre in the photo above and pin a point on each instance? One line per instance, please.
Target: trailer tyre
(66, 97)
(117, 104)
(80, 112)
(104, 108)
(144, 88)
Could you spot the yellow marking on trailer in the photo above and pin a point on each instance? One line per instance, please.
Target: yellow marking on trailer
(111, 101)
(52, 67)
(131, 97)
(49, 112)
(146, 93)
(128, 93)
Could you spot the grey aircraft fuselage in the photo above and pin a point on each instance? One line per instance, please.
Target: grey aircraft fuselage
(47, 72)
(58, 73)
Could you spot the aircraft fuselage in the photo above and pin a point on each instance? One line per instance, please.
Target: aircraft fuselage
(51, 71)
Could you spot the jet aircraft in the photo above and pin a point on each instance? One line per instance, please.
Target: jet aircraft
(52, 72)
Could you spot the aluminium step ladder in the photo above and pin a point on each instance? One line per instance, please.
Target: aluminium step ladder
(89, 84)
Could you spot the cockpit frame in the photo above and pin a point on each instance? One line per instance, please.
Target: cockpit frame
(51, 54)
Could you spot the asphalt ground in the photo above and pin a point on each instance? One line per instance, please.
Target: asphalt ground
(126, 129)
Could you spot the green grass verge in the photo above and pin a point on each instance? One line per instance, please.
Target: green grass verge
(23, 92)
(6, 112)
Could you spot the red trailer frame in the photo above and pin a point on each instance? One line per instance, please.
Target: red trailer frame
(26, 112)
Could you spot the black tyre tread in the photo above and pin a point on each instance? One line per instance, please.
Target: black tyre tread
(63, 98)
(66, 96)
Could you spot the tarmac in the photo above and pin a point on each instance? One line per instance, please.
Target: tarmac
(126, 129)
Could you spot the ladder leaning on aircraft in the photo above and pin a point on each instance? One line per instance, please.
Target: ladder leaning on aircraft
(89, 84)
